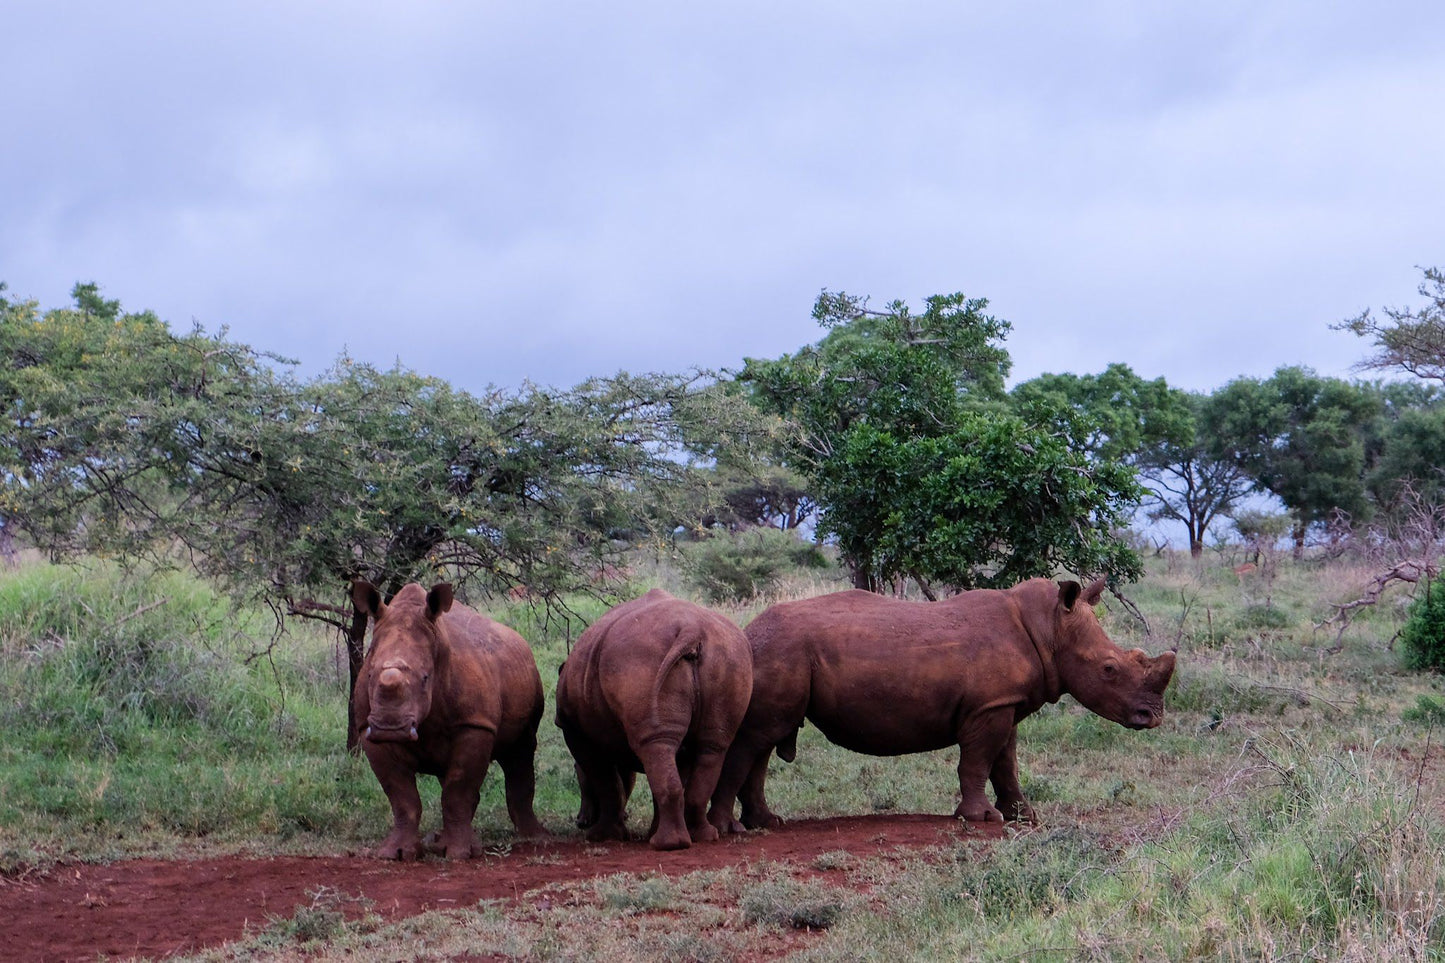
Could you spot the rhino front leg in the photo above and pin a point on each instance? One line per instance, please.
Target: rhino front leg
(601, 786)
(462, 790)
(744, 778)
(1005, 778)
(980, 740)
(398, 781)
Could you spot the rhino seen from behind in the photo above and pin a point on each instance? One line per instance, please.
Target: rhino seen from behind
(886, 677)
(657, 685)
(443, 691)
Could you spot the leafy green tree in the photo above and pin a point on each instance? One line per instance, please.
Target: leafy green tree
(919, 470)
(1412, 455)
(1406, 465)
(1151, 427)
(1301, 437)
(1115, 415)
(990, 503)
(911, 373)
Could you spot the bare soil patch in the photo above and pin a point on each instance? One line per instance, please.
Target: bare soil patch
(154, 908)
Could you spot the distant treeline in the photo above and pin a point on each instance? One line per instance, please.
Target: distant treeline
(893, 437)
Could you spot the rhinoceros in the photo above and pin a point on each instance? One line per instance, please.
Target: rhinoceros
(657, 685)
(443, 691)
(886, 677)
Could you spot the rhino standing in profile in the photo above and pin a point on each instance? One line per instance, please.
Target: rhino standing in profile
(443, 691)
(887, 677)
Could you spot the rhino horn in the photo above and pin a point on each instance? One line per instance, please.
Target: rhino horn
(1160, 671)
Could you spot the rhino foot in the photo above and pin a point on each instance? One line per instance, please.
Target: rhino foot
(459, 846)
(600, 833)
(667, 841)
(533, 828)
(766, 820)
(978, 813)
(405, 851)
(704, 833)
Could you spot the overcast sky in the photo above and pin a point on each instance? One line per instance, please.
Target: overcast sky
(495, 192)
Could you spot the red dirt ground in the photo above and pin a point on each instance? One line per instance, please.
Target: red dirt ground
(156, 908)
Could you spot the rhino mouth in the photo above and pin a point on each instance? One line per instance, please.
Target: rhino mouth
(375, 732)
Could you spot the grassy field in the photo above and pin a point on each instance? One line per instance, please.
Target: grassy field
(1290, 806)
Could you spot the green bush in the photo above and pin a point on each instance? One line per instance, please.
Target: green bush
(739, 566)
(1427, 710)
(1422, 640)
(1263, 617)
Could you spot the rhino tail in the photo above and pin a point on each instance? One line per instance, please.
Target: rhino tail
(687, 646)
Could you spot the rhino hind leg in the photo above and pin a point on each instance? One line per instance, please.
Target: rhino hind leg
(704, 768)
(743, 778)
(659, 765)
(756, 814)
(519, 773)
(981, 739)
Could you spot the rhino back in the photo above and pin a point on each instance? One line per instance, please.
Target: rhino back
(886, 676)
(493, 680)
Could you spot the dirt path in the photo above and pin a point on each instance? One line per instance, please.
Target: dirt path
(156, 908)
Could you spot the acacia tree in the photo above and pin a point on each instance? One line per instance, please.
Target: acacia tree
(1411, 463)
(1189, 481)
(124, 438)
(918, 468)
(1409, 339)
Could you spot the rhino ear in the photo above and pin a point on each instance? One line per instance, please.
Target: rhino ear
(1069, 594)
(1095, 591)
(365, 598)
(438, 600)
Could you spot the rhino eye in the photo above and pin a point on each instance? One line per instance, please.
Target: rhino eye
(424, 677)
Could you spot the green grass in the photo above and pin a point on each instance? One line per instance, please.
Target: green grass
(1288, 807)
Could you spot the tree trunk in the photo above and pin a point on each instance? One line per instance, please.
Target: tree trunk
(1299, 541)
(863, 579)
(355, 653)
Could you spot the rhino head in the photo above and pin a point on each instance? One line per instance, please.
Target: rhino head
(395, 688)
(1126, 687)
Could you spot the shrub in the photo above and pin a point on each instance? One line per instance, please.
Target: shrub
(1422, 640)
(739, 566)
(787, 902)
(1427, 710)
(1037, 871)
(1263, 617)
